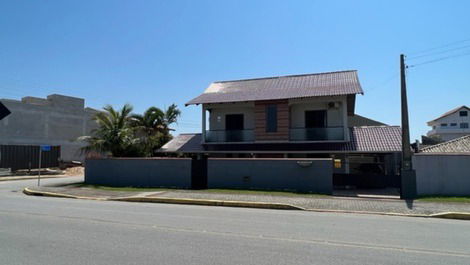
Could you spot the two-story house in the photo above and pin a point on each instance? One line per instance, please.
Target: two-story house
(452, 124)
(309, 115)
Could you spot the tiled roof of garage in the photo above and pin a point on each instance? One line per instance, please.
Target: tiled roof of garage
(281, 87)
(367, 139)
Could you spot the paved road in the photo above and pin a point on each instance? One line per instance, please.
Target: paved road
(43, 230)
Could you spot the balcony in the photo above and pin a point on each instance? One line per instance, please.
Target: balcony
(317, 134)
(213, 136)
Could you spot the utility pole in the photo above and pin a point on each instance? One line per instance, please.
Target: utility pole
(408, 175)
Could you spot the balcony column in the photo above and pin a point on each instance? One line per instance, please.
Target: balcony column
(203, 123)
(345, 119)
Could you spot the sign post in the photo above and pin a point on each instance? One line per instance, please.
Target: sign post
(45, 148)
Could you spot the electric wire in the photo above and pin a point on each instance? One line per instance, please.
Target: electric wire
(439, 52)
(439, 47)
(438, 59)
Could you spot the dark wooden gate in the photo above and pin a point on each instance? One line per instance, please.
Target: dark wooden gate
(199, 172)
(27, 157)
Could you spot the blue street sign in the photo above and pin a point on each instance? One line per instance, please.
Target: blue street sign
(45, 148)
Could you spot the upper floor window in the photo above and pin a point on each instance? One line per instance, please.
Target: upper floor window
(443, 124)
(453, 124)
(463, 113)
(271, 118)
(464, 125)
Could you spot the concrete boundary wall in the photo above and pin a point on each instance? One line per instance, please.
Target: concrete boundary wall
(442, 174)
(139, 172)
(302, 175)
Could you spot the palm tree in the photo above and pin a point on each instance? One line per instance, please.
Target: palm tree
(153, 127)
(171, 116)
(114, 135)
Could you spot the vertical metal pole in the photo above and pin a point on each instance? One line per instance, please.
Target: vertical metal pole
(39, 169)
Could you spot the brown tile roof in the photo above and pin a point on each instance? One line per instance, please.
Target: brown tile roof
(457, 145)
(450, 112)
(281, 87)
(367, 139)
(375, 138)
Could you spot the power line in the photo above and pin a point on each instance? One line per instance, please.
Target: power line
(440, 52)
(386, 81)
(439, 47)
(439, 59)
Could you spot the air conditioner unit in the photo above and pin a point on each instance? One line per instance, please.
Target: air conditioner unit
(333, 105)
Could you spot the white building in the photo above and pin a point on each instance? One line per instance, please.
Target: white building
(452, 124)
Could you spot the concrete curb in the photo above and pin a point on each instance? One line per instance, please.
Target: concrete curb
(452, 215)
(29, 191)
(259, 205)
(262, 205)
(32, 177)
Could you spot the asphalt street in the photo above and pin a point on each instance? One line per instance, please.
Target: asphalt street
(44, 230)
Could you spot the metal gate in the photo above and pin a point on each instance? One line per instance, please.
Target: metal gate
(199, 172)
(27, 157)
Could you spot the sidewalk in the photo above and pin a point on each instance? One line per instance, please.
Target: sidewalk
(24, 177)
(299, 202)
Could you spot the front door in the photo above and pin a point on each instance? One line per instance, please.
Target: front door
(315, 119)
(315, 122)
(234, 122)
(234, 127)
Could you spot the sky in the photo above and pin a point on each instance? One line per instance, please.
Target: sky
(155, 53)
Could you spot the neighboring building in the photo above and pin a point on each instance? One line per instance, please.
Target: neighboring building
(452, 124)
(56, 120)
(457, 145)
(297, 116)
(443, 169)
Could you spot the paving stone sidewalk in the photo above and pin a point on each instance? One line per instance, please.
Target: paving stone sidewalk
(332, 203)
(306, 202)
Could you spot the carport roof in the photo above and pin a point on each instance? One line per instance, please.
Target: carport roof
(366, 139)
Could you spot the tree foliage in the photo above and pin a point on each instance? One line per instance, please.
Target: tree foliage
(123, 134)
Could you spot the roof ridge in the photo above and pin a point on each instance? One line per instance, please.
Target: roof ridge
(446, 142)
(281, 76)
(452, 111)
(376, 126)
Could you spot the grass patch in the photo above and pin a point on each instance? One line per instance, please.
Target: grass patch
(135, 189)
(261, 192)
(457, 199)
(224, 191)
